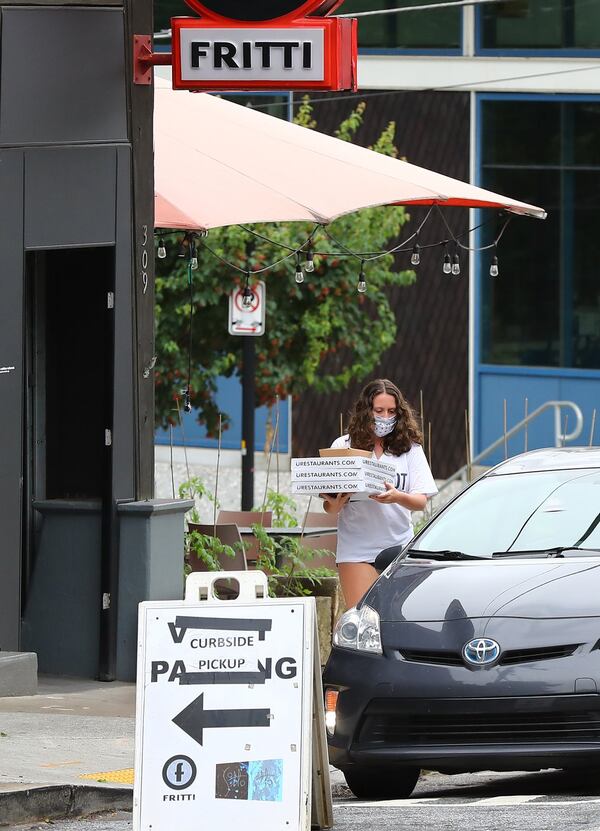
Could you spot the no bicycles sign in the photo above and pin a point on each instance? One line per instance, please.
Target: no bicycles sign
(225, 697)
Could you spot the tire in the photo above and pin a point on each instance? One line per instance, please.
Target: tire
(381, 783)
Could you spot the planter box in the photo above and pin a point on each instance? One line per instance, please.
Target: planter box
(330, 605)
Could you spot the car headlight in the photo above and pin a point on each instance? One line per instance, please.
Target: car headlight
(359, 629)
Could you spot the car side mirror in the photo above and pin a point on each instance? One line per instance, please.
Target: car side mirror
(385, 557)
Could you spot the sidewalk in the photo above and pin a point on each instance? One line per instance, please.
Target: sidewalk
(69, 750)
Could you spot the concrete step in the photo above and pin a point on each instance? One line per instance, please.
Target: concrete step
(18, 673)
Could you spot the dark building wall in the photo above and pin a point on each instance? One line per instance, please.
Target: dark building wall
(71, 133)
(431, 350)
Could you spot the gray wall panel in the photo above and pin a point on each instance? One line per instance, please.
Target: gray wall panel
(68, 85)
(11, 393)
(70, 196)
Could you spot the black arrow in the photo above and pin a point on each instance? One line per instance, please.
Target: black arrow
(195, 719)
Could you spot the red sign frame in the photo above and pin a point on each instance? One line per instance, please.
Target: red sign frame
(304, 8)
(340, 53)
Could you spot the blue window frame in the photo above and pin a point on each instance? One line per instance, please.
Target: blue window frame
(537, 325)
(428, 32)
(561, 28)
(544, 309)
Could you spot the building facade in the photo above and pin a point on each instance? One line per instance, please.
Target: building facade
(506, 95)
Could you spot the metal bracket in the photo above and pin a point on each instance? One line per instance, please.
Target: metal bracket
(144, 59)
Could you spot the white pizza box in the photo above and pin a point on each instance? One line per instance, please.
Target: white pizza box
(322, 465)
(318, 475)
(337, 486)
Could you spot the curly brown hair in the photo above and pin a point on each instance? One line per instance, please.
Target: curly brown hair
(361, 426)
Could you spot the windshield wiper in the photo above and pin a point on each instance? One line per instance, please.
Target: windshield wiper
(557, 551)
(442, 555)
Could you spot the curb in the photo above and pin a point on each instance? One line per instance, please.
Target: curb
(60, 801)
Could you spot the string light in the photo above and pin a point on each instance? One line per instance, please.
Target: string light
(361, 286)
(415, 258)
(456, 264)
(494, 270)
(193, 255)
(299, 272)
(309, 265)
(305, 253)
(447, 266)
(247, 295)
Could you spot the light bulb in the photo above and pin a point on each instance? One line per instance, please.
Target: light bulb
(309, 265)
(162, 251)
(447, 267)
(361, 286)
(247, 299)
(416, 257)
(183, 248)
(455, 265)
(194, 263)
(299, 272)
(494, 270)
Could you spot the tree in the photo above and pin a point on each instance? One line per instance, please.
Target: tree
(321, 334)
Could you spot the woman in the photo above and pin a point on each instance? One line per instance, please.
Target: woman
(382, 421)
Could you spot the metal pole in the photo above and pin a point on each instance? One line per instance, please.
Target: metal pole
(217, 476)
(248, 365)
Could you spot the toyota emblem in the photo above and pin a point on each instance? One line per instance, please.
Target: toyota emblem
(481, 652)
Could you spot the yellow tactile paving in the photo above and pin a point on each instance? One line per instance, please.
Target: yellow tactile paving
(125, 776)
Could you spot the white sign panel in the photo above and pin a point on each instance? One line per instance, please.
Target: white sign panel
(223, 736)
(249, 318)
(292, 54)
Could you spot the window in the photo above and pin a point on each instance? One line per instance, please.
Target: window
(544, 308)
(541, 24)
(520, 512)
(428, 29)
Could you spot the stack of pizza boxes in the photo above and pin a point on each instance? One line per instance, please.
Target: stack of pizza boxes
(342, 471)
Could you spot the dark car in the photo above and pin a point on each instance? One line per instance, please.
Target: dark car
(478, 648)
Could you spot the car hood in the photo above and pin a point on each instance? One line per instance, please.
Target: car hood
(426, 591)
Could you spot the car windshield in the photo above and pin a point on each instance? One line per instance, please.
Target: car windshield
(521, 512)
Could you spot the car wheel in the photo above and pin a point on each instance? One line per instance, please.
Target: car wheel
(381, 783)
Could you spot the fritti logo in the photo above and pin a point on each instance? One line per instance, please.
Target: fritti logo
(253, 11)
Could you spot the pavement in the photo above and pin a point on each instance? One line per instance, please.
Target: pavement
(69, 750)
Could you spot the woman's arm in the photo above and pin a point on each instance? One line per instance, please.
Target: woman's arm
(334, 504)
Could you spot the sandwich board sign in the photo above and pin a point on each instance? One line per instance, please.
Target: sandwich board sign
(229, 722)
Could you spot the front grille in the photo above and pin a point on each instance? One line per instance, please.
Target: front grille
(432, 656)
(511, 656)
(480, 728)
(543, 653)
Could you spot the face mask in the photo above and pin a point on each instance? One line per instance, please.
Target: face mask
(384, 426)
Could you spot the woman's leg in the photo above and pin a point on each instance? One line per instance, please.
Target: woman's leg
(356, 579)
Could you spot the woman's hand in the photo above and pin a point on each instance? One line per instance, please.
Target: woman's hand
(412, 501)
(333, 503)
(392, 495)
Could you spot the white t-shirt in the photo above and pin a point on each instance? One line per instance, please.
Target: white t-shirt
(366, 527)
